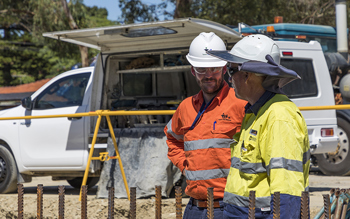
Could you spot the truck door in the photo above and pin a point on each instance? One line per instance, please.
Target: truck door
(56, 142)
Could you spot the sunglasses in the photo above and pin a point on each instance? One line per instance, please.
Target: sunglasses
(232, 70)
(202, 71)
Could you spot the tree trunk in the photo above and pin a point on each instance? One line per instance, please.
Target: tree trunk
(182, 8)
(84, 56)
(73, 26)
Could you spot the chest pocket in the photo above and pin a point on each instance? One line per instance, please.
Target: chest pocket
(249, 151)
(224, 127)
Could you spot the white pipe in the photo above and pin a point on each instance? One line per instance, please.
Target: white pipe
(341, 24)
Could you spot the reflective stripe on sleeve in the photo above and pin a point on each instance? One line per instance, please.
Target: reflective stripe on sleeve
(242, 201)
(206, 174)
(170, 131)
(208, 143)
(283, 163)
(306, 156)
(251, 168)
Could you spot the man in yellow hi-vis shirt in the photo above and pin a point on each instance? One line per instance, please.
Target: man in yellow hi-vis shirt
(271, 153)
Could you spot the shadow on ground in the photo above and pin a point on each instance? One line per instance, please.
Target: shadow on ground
(53, 190)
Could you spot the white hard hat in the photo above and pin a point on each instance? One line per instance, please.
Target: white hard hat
(253, 47)
(197, 55)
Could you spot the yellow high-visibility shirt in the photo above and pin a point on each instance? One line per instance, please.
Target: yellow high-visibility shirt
(271, 154)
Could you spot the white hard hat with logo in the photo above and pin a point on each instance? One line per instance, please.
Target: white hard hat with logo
(250, 48)
(197, 55)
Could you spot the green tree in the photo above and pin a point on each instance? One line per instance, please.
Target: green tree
(255, 12)
(134, 11)
(25, 55)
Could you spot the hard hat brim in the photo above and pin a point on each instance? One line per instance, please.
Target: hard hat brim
(205, 62)
(227, 56)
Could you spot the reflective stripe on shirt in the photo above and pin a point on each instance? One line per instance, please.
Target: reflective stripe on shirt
(170, 131)
(283, 163)
(242, 201)
(275, 163)
(206, 174)
(208, 143)
(252, 168)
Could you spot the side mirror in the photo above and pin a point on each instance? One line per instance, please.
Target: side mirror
(27, 103)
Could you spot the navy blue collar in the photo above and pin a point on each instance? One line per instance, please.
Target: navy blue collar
(262, 100)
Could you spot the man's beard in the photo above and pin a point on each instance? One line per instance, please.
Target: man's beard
(210, 89)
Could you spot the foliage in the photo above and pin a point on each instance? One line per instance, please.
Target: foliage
(254, 12)
(134, 11)
(25, 55)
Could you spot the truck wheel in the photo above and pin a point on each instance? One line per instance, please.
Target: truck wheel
(8, 171)
(337, 163)
(76, 182)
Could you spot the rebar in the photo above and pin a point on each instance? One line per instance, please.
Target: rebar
(320, 214)
(158, 202)
(339, 206)
(40, 201)
(210, 203)
(61, 202)
(20, 200)
(133, 203)
(347, 193)
(84, 190)
(251, 213)
(111, 202)
(178, 197)
(327, 210)
(335, 201)
(344, 210)
(304, 205)
(276, 205)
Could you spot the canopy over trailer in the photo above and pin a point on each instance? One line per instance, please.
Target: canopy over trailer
(162, 35)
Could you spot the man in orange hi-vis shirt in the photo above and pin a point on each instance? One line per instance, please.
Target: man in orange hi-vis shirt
(201, 130)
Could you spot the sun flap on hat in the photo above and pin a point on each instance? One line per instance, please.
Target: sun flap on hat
(277, 76)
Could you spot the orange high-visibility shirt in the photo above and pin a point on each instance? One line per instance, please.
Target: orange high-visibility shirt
(205, 150)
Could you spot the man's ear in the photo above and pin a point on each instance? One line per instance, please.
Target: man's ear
(192, 71)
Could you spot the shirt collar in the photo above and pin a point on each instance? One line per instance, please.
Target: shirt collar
(262, 100)
(198, 98)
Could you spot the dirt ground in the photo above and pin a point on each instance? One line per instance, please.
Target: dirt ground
(98, 208)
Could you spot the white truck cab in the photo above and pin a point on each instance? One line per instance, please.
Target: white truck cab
(314, 89)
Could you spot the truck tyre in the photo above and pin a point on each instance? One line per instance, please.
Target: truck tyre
(337, 163)
(8, 171)
(76, 182)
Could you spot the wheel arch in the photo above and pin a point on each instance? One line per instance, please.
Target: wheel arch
(4, 143)
(325, 163)
(7, 146)
(344, 114)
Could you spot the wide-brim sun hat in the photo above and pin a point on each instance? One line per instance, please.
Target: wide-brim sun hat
(259, 54)
(251, 48)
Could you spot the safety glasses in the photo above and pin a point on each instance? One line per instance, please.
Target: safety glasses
(202, 71)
